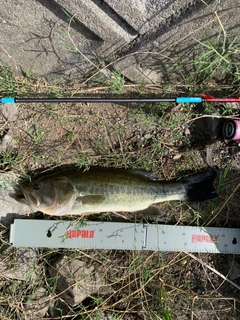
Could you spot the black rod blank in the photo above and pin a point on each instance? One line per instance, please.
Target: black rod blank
(90, 100)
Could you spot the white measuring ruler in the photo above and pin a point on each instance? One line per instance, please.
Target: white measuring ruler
(123, 236)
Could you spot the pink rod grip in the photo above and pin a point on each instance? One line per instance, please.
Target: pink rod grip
(237, 133)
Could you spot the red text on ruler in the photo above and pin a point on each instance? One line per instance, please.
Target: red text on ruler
(80, 233)
(199, 238)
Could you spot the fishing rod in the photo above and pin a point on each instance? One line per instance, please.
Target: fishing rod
(200, 99)
(231, 129)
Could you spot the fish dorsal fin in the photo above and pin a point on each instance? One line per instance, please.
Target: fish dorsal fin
(145, 174)
(91, 199)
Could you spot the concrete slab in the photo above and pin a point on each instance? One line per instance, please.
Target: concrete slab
(34, 36)
(152, 57)
(141, 38)
(144, 15)
(41, 37)
(103, 22)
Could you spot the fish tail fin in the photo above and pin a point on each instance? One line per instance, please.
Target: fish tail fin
(199, 187)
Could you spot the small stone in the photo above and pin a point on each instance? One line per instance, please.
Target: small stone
(148, 136)
(75, 280)
(177, 156)
(23, 265)
(7, 143)
(9, 207)
(9, 111)
(38, 304)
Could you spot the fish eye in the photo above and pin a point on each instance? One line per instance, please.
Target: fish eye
(36, 186)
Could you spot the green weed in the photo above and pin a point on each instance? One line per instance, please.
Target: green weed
(10, 86)
(218, 58)
(27, 74)
(7, 82)
(83, 161)
(70, 17)
(37, 136)
(105, 216)
(10, 159)
(54, 91)
(117, 82)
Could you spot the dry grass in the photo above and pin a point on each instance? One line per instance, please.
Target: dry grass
(140, 285)
(157, 138)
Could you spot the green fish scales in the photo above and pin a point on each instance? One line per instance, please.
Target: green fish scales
(76, 192)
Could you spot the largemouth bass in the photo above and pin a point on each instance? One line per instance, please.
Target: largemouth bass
(77, 192)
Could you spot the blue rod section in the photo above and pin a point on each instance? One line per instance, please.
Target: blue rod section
(189, 99)
(7, 100)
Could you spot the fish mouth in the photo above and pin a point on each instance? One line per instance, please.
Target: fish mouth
(30, 198)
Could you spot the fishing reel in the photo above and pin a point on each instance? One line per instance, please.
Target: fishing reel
(231, 130)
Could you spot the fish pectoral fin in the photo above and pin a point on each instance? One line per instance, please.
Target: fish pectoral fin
(150, 211)
(91, 199)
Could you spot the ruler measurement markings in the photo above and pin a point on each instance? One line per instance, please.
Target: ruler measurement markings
(124, 236)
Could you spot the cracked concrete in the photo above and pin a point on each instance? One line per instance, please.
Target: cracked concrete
(142, 40)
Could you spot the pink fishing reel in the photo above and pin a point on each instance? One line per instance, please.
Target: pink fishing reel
(231, 130)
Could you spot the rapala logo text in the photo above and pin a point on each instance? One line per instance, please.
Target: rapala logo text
(204, 238)
(80, 233)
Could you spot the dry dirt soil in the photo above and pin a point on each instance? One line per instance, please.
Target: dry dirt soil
(162, 139)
